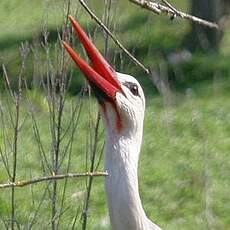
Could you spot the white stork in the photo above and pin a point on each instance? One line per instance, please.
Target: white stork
(122, 105)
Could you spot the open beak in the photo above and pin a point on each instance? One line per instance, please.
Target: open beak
(101, 75)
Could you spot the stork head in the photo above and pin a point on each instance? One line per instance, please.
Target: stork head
(126, 112)
(120, 96)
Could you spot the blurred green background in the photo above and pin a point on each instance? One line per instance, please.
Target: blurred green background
(152, 39)
(185, 161)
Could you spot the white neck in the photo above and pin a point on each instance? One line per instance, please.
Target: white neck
(122, 155)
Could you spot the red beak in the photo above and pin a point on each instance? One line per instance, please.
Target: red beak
(101, 74)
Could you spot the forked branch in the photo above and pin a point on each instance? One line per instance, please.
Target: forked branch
(170, 10)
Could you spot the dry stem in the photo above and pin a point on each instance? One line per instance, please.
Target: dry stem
(105, 28)
(24, 183)
(168, 9)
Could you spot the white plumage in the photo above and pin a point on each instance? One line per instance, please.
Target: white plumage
(122, 104)
(122, 155)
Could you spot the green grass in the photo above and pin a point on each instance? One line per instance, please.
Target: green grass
(150, 37)
(184, 166)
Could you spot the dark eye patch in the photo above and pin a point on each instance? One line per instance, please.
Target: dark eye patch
(132, 87)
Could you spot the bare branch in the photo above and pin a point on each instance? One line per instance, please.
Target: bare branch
(105, 28)
(8, 86)
(168, 9)
(24, 183)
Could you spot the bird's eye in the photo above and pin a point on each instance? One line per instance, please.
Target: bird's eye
(134, 89)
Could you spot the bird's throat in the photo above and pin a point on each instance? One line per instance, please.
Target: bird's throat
(117, 118)
(122, 154)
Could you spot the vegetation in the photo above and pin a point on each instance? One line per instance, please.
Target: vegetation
(184, 167)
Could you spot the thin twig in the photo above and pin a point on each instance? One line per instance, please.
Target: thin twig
(168, 9)
(37, 180)
(8, 86)
(24, 50)
(90, 183)
(5, 162)
(73, 121)
(116, 41)
(36, 210)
